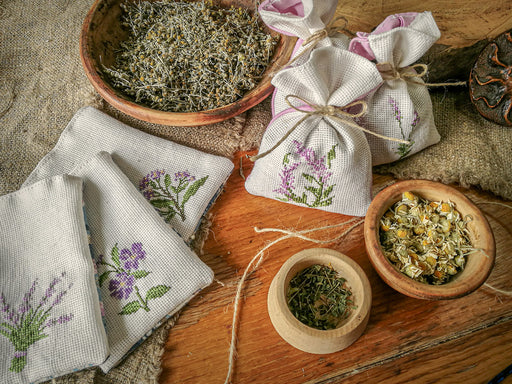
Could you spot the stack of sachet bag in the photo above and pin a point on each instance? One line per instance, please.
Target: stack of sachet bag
(80, 290)
(342, 105)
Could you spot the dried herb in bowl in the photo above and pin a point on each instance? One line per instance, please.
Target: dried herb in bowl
(189, 56)
(318, 297)
(427, 241)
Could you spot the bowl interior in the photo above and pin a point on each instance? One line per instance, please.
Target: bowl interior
(356, 281)
(100, 38)
(479, 264)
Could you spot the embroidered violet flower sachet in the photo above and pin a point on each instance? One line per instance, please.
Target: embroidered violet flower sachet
(146, 271)
(50, 314)
(180, 182)
(313, 154)
(401, 108)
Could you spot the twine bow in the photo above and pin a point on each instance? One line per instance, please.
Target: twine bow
(330, 29)
(389, 72)
(340, 114)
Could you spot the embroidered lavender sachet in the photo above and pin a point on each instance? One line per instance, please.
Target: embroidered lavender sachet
(401, 108)
(50, 316)
(180, 182)
(313, 153)
(305, 19)
(146, 271)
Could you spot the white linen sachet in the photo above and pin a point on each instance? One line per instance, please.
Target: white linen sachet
(50, 314)
(401, 108)
(313, 154)
(309, 20)
(180, 182)
(146, 271)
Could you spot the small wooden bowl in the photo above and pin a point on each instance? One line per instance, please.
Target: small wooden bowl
(100, 37)
(309, 339)
(478, 266)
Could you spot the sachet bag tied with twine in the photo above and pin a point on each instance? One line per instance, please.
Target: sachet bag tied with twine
(180, 182)
(313, 154)
(146, 271)
(401, 107)
(50, 314)
(311, 21)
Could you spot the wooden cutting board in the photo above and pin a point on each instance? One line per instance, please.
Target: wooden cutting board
(406, 341)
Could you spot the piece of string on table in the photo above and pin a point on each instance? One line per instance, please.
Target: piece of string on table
(258, 259)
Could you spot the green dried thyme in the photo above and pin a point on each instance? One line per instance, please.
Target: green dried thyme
(189, 56)
(318, 297)
(427, 241)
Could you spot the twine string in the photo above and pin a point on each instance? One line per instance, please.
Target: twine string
(258, 259)
(338, 24)
(339, 114)
(389, 72)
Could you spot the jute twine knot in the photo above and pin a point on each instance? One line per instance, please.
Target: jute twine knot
(336, 25)
(340, 114)
(389, 72)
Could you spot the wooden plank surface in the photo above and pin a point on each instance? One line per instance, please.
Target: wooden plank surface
(407, 340)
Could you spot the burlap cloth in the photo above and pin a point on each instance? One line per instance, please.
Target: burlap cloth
(42, 85)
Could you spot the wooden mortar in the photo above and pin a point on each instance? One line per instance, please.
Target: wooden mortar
(309, 339)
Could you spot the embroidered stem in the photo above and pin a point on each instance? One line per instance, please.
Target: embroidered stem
(258, 259)
(408, 74)
(337, 113)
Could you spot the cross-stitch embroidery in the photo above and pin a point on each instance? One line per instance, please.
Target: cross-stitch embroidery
(164, 192)
(26, 325)
(123, 275)
(318, 177)
(403, 148)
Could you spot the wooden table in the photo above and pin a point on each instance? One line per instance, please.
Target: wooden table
(467, 340)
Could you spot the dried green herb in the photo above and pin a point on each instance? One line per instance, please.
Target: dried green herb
(427, 241)
(318, 297)
(189, 56)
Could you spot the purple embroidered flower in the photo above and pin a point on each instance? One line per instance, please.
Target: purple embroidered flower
(131, 257)
(18, 354)
(121, 286)
(60, 320)
(152, 176)
(317, 165)
(50, 290)
(287, 180)
(396, 111)
(183, 176)
(415, 120)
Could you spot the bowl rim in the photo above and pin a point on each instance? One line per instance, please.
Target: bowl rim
(307, 338)
(145, 113)
(453, 289)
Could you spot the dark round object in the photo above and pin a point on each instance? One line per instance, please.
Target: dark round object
(490, 81)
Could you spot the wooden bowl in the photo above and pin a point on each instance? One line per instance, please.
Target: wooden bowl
(309, 339)
(100, 37)
(478, 266)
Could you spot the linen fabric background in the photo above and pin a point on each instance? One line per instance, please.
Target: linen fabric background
(150, 257)
(44, 85)
(47, 279)
(143, 158)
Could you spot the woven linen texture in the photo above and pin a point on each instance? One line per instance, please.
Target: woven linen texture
(325, 162)
(399, 108)
(146, 271)
(180, 181)
(50, 316)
